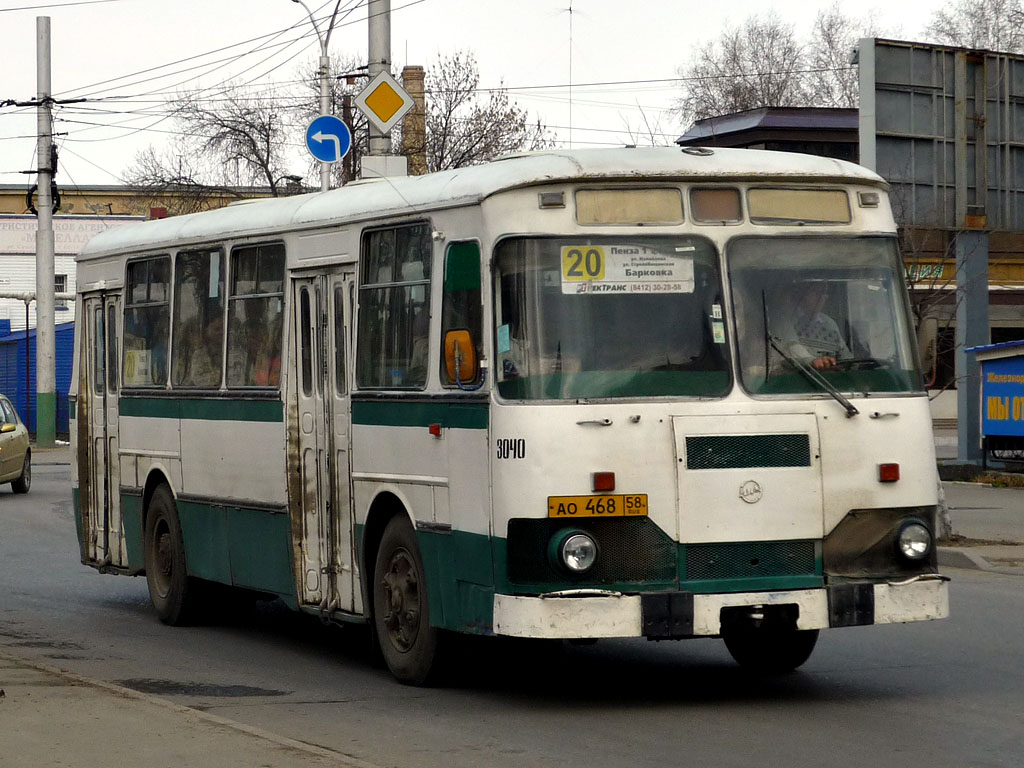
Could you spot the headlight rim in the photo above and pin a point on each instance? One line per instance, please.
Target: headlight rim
(912, 522)
(556, 551)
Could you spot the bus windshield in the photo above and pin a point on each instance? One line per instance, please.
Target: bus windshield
(609, 317)
(821, 305)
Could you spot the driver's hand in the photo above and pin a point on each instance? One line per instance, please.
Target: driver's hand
(824, 363)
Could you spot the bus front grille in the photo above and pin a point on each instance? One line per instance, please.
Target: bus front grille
(747, 451)
(750, 560)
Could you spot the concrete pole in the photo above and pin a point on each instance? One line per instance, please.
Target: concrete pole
(325, 108)
(971, 331)
(379, 61)
(46, 379)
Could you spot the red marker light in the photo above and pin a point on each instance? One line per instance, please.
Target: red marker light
(888, 473)
(604, 481)
(435, 430)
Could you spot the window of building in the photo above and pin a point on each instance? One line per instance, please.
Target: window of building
(394, 308)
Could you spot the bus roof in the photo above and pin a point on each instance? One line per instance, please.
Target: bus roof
(465, 186)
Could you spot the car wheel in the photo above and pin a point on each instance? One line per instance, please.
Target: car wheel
(23, 483)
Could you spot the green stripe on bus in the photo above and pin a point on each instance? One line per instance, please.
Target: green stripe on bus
(394, 413)
(202, 409)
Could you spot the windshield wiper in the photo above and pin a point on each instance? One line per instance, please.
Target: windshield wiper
(813, 376)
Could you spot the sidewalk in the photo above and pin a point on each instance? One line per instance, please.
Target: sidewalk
(990, 525)
(50, 717)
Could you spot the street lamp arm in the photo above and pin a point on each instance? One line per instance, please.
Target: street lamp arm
(316, 27)
(330, 27)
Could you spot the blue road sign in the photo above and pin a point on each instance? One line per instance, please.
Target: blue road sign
(328, 139)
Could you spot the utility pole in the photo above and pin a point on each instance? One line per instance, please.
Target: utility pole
(379, 18)
(46, 379)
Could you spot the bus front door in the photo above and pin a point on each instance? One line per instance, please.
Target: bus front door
(323, 305)
(105, 540)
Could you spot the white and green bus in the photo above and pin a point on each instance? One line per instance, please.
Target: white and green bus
(653, 393)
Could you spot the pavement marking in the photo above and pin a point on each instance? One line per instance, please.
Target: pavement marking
(322, 752)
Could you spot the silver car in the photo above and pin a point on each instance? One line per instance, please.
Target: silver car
(15, 454)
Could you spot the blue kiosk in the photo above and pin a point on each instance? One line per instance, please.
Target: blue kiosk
(1002, 400)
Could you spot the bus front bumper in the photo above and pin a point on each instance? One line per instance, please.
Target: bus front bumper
(685, 614)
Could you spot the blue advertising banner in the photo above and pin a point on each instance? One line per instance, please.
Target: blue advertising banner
(1002, 396)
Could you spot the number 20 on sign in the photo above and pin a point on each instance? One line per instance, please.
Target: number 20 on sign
(582, 263)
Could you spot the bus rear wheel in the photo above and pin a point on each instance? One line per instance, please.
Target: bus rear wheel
(771, 650)
(171, 591)
(401, 614)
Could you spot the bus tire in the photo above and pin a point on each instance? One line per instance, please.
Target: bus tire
(171, 591)
(23, 483)
(771, 651)
(401, 613)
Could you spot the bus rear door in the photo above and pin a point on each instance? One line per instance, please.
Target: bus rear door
(322, 308)
(104, 539)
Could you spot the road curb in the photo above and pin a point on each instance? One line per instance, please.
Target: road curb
(119, 690)
(959, 557)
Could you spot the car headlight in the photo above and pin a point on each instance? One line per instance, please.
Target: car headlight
(575, 551)
(914, 540)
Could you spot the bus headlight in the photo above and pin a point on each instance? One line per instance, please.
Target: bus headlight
(914, 540)
(575, 551)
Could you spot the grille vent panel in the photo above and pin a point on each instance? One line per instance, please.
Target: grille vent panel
(750, 560)
(747, 451)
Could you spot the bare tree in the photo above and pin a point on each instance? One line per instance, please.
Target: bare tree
(757, 64)
(762, 63)
(465, 126)
(244, 134)
(831, 79)
(173, 179)
(226, 140)
(996, 25)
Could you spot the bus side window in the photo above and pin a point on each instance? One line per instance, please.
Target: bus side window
(255, 316)
(394, 308)
(460, 305)
(198, 318)
(146, 323)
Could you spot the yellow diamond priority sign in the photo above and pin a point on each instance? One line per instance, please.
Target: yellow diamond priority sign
(384, 102)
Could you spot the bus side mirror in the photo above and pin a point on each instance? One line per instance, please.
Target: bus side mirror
(460, 356)
(8, 428)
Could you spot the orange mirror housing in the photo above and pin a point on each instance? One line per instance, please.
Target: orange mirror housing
(460, 356)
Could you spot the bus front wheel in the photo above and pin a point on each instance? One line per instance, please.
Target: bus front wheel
(401, 613)
(171, 591)
(771, 650)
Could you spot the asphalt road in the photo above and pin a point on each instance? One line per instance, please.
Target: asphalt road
(947, 693)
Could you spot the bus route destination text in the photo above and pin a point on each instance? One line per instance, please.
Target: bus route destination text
(624, 269)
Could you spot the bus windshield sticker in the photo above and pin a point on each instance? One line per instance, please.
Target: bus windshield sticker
(625, 269)
(716, 311)
(718, 329)
(504, 339)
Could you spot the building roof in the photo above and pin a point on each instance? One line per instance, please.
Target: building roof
(465, 186)
(764, 119)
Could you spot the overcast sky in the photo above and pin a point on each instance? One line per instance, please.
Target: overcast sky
(133, 54)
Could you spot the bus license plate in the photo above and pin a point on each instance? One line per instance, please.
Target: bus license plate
(616, 505)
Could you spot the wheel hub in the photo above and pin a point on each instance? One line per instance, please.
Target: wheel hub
(402, 600)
